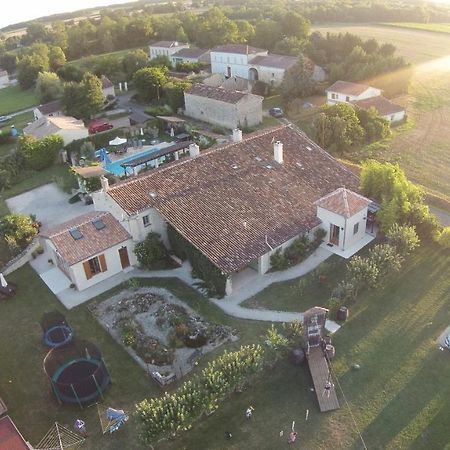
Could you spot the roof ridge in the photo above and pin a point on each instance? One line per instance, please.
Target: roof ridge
(346, 207)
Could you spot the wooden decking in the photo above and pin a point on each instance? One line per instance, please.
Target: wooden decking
(318, 367)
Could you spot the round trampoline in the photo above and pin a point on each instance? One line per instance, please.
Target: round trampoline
(77, 372)
(57, 331)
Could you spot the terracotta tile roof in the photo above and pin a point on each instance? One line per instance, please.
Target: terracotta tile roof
(50, 107)
(168, 44)
(343, 202)
(190, 53)
(275, 61)
(234, 201)
(381, 104)
(238, 48)
(346, 87)
(10, 437)
(93, 241)
(218, 93)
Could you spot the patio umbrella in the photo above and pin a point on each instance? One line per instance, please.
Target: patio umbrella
(117, 141)
(172, 132)
(3, 282)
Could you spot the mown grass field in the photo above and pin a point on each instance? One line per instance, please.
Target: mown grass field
(415, 45)
(435, 27)
(13, 99)
(118, 53)
(400, 397)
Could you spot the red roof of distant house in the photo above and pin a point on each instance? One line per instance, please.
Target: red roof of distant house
(106, 82)
(190, 53)
(237, 48)
(218, 93)
(381, 104)
(10, 437)
(275, 61)
(50, 107)
(344, 202)
(346, 87)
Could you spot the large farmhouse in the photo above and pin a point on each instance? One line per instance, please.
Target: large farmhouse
(236, 203)
(226, 108)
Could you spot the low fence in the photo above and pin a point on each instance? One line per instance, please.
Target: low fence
(21, 259)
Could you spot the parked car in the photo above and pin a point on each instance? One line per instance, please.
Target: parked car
(276, 112)
(447, 341)
(5, 118)
(97, 127)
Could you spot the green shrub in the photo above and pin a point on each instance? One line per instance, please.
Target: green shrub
(159, 110)
(151, 253)
(297, 250)
(17, 231)
(319, 235)
(40, 153)
(278, 261)
(444, 238)
(404, 238)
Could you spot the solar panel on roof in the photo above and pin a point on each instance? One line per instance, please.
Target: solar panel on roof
(98, 224)
(76, 234)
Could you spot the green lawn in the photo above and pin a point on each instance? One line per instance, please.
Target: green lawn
(23, 384)
(13, 99)
(400, 397)
(301, 293)
(118, 53)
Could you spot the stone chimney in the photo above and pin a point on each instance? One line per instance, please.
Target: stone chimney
(105, 183)
(278, 152)
(237, 135)
(194, 150)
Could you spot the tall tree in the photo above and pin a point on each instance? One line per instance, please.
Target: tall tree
(48, 87)
(149, 81)
(298, 81)
(57, 58)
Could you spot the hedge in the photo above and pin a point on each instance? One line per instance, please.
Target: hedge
(213, 277)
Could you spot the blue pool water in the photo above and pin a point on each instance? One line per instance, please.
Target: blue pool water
(116, 168)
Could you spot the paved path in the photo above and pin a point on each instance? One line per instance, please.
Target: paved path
(442, 215)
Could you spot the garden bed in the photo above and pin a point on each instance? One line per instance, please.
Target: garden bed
(158, 330)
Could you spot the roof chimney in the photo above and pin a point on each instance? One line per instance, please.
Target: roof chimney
(105, 183)
(237, 135)
(194, 150)
(278, 152)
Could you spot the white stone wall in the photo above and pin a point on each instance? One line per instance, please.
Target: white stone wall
(166, 51)
(109, 91)
(4, 81)
(113, 265)
(270, 75)
(246, 113)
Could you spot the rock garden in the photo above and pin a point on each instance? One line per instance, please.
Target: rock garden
(159, 331)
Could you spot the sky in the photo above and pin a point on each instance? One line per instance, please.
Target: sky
(22, 10)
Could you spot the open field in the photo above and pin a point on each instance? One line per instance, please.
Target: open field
(13, 99)
(118, 53)
(416, 46)
(399, 398)
(435, 27)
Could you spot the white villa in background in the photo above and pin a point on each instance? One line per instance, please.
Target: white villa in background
(236, 203)
(4, 79)
(191, 55)
(254, 64)
(365, 97)
(166, 48)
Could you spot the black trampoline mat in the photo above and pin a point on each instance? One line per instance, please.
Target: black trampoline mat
(77, 371)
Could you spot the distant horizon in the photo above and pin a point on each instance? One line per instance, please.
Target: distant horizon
(24, 10)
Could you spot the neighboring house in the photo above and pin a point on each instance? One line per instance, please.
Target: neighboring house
(347, 92)
(107, 87)
(4, 79)
(218, 106)
(166, 48)
(254, 64)
(67, 127)
(54, 108)
(233, 83)
(241, 202)
(386, 109)
(191, 55)
(90, 248)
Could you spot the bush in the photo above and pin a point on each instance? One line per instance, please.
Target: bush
(404, 238)
(159, 110)
(319, 235)
(40, 153)
(444, 238)
(297, 250)
(151, 253)
(17, 231)
(278, 261)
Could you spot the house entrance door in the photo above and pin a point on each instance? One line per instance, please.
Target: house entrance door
(124, 259)
(228, 71)
(334, 234)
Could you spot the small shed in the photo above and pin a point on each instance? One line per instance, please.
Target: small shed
(314, 320)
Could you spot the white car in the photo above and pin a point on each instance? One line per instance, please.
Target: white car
(4, 118)
(447, 341)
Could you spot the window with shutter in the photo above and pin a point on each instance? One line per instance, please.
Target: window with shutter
(87, 270)
(103, 265)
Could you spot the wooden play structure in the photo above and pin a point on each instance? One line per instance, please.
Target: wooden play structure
(318, 353)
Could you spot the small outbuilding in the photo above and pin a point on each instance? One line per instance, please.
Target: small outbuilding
(386, 109)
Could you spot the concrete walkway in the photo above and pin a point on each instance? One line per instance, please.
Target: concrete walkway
(230, 305)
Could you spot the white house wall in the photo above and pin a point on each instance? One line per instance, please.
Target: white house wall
(345, 98)
(396, 117)
(165, 51)
(113, 265)
(4, 81)
(72, 135)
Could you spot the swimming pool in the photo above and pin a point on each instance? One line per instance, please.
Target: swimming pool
(116, 166)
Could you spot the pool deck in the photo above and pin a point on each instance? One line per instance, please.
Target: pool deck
(136, 151)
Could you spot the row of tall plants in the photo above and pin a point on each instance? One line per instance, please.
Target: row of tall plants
(172, 413)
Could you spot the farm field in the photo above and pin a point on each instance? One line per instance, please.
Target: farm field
(118, 53)
(416, 46)
(435, 27)
(422, 149)
(13, 99)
